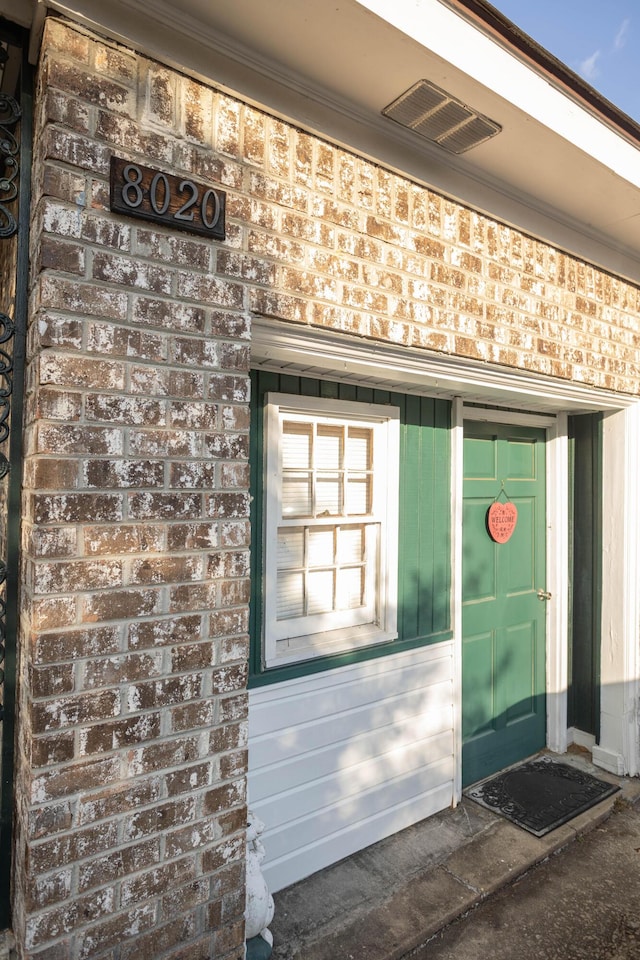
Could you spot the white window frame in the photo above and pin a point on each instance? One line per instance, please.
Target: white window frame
(337, 631)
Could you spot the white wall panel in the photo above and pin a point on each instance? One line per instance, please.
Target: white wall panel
(342, 759)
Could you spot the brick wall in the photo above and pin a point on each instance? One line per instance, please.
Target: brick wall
(131, 768)
(131, 773)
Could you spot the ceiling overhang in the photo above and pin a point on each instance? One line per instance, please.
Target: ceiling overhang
(321, 353)
(561, 169)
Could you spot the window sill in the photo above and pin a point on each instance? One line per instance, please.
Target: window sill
(299, 649)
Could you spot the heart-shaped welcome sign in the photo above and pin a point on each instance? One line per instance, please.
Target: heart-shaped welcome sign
(501, 520)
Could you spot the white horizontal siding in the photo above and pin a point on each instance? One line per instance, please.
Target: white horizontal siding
(342, 759)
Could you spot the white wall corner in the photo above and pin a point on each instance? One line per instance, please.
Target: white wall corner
(619, 748)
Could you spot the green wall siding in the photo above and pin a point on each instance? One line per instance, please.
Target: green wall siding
(424, 574)
(585, 539)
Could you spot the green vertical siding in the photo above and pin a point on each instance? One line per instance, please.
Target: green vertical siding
(424, 555)
(585, 539)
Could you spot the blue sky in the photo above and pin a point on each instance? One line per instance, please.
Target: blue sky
(598, 39)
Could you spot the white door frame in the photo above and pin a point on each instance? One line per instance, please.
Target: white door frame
(330, 354)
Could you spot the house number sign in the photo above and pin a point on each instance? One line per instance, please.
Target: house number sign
(176, 202)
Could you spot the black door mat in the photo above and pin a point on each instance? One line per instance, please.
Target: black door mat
(541, 794)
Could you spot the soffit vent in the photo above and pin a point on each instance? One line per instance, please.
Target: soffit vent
(436, 115)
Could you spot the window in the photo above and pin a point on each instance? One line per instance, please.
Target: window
(331, 518)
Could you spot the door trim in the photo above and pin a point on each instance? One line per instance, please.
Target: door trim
(557, 554)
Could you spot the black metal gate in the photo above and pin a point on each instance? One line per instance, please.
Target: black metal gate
(15, 165)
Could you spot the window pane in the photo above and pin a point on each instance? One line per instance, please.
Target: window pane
(351, 588)
(296, 445)
(329, 448)
(320, 591)
(328, 496)
(290, 548)
(290, 595)
(350, 544)
(358, 449)
(359, 495)
(321, 548)
(296, 495)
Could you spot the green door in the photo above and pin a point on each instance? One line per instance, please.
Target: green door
(503, 618)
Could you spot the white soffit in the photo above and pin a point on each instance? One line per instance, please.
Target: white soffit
(444, 31)
(324, 354)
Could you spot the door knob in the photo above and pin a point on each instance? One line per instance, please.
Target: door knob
(544, 595)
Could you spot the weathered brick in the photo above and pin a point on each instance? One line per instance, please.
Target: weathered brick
(158, 693)
(45, 821)
(68, 711)
(145, 947)
(107, 736)
(120, 863)
(160, 818)
(194, 415)
(61, 256)
(188, 779)
(53, 474)
(51, 681)
(70, 439)
(103, 804)
(166, 569)
(127, 134)
(188, 657)
(109, 474)
(157, 880)
(223, 798)
(120, 605)
(77, 150)
(122, 409)
(199, 596)
(89, 842)
(130, 272)
(210, 290)
(73, 644)
(75, 508)
(197, 714)
(164, 506)
(75, 575)
(53, 749)
(77, 371)
(99, 90)
(54, 613)
(74, 778)
(193, 536)
(59, 404)
(46, 890)
(125, 926)
(117, 341)
(152, 633)
(168, 314)
(124, 539)
(228, 737)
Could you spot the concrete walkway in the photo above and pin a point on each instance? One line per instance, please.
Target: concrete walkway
(392, 898)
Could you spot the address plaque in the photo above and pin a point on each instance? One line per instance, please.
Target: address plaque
(177, 202)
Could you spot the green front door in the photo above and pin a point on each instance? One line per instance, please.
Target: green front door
(503, 618)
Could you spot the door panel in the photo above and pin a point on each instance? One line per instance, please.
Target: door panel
(504, 640)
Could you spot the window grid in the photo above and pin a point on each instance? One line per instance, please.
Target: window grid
(327, 470)
(322, 569)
